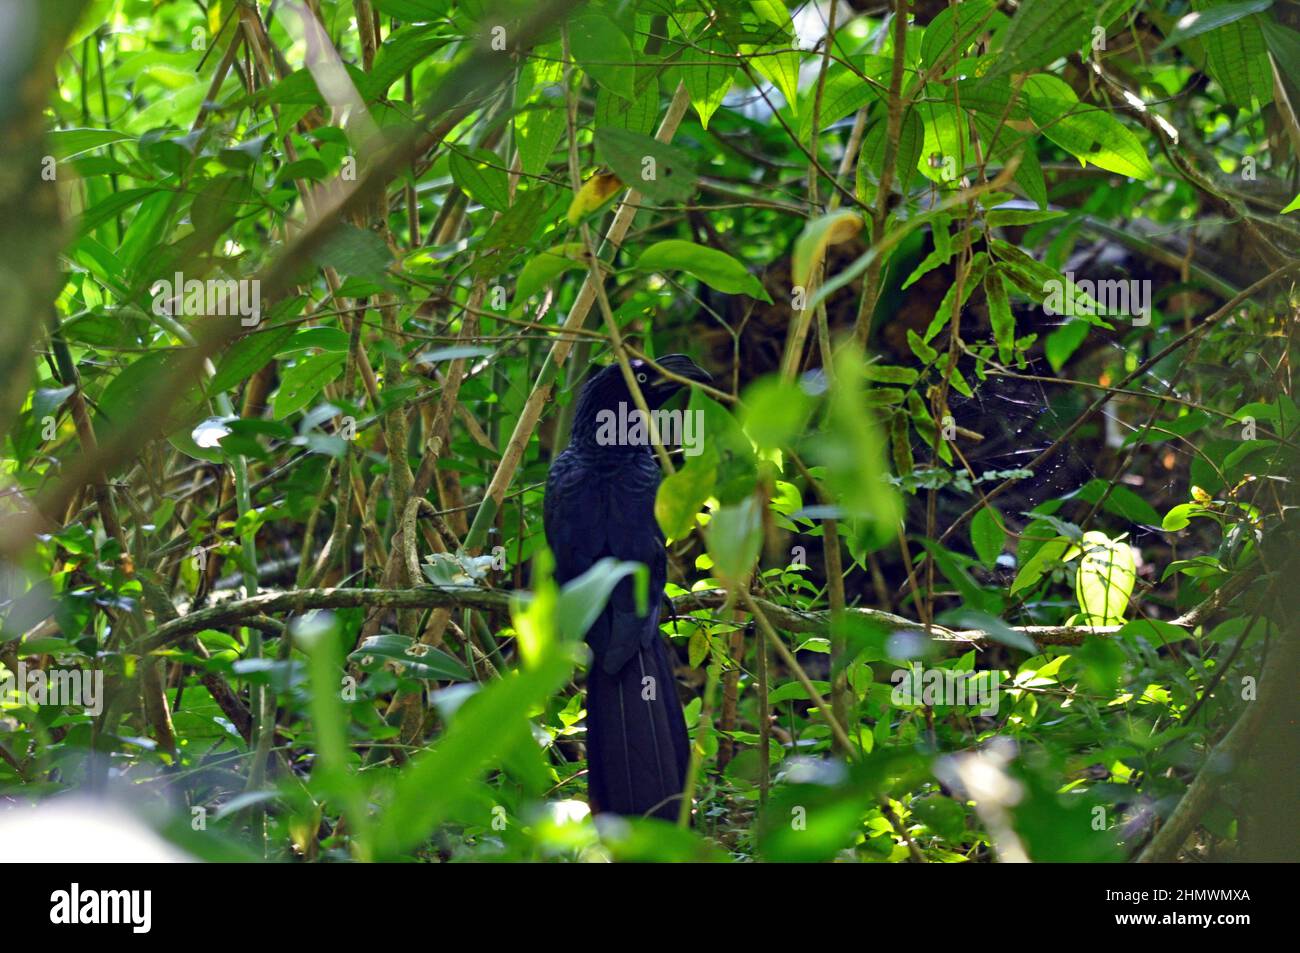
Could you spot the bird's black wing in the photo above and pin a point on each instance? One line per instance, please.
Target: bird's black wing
(600, 505)
(595, 508)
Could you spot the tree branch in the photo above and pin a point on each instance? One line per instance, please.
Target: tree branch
(437, 597)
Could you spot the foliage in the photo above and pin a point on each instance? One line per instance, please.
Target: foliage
(1000, 300)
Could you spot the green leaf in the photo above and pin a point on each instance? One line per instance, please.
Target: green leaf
(973, 597)
(1237, 58)
(639, 116)
(404, 49)
(541, 128)
(1154, 631)
(662, 172)
(583, 599)
(412, 11)
(953, 30)
(1009, 143)
(417, 659)
(986, 536)
(775, 412)
(682, 495)
(1181, 515)
(483, 734)
(941, 232)
(68, 143)
(144, 235)
(353, 251)
(844, 94)
(318, 636)
(1045, 285)
(997, 630)
(890, 374)
(603, 51)
(1040, 563)
(943, 314)
(1087, 132)
(1121, 501)
(1105, 578)
(716, 269)
(127, 399)
(708, 75)
(1000, 316)
(545, 267)
(1020, 216)
(871, 160)
(778, 64)
(300, 383)
(1103, 662)
(481, 174)
(249, 355)
(735, 536)
(923, 351)
(736, 462)
(853, 450)
(1040, 32)
(1061, 344)
(1202, 21)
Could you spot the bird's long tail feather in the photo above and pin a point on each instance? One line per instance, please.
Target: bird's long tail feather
(637, 749)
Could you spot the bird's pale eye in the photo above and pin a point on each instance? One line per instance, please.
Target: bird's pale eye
(641, 378)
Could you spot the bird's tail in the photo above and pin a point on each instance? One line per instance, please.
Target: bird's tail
(637, 749)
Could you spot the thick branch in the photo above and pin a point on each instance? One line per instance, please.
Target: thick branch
(435, 597)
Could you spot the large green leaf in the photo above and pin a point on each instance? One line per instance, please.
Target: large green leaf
(69, 143)
(300, 383)
(683, 494)
(602, 49)
(662, 172)
(481, 174)
(1237, 58)
(708, 75)
(871, 160)
(546, 266)
(953, 30)
(416, 660)
(716, 269)
(1105, 578)
(735, 536)
(483, 733)
(639, 116)
(249, 355)
(852, 449)
(844, 94)
(1040, 32)
(1206, 19)
(1086, 132)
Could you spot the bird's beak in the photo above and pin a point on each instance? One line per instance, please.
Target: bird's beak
(682, 366)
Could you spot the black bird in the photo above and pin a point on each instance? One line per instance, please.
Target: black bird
(600, 502)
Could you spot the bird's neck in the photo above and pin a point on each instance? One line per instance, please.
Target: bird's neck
(615, 431)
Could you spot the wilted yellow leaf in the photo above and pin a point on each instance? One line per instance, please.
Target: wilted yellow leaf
(594, 193)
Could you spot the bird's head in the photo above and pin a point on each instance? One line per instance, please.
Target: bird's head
(607, 389)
